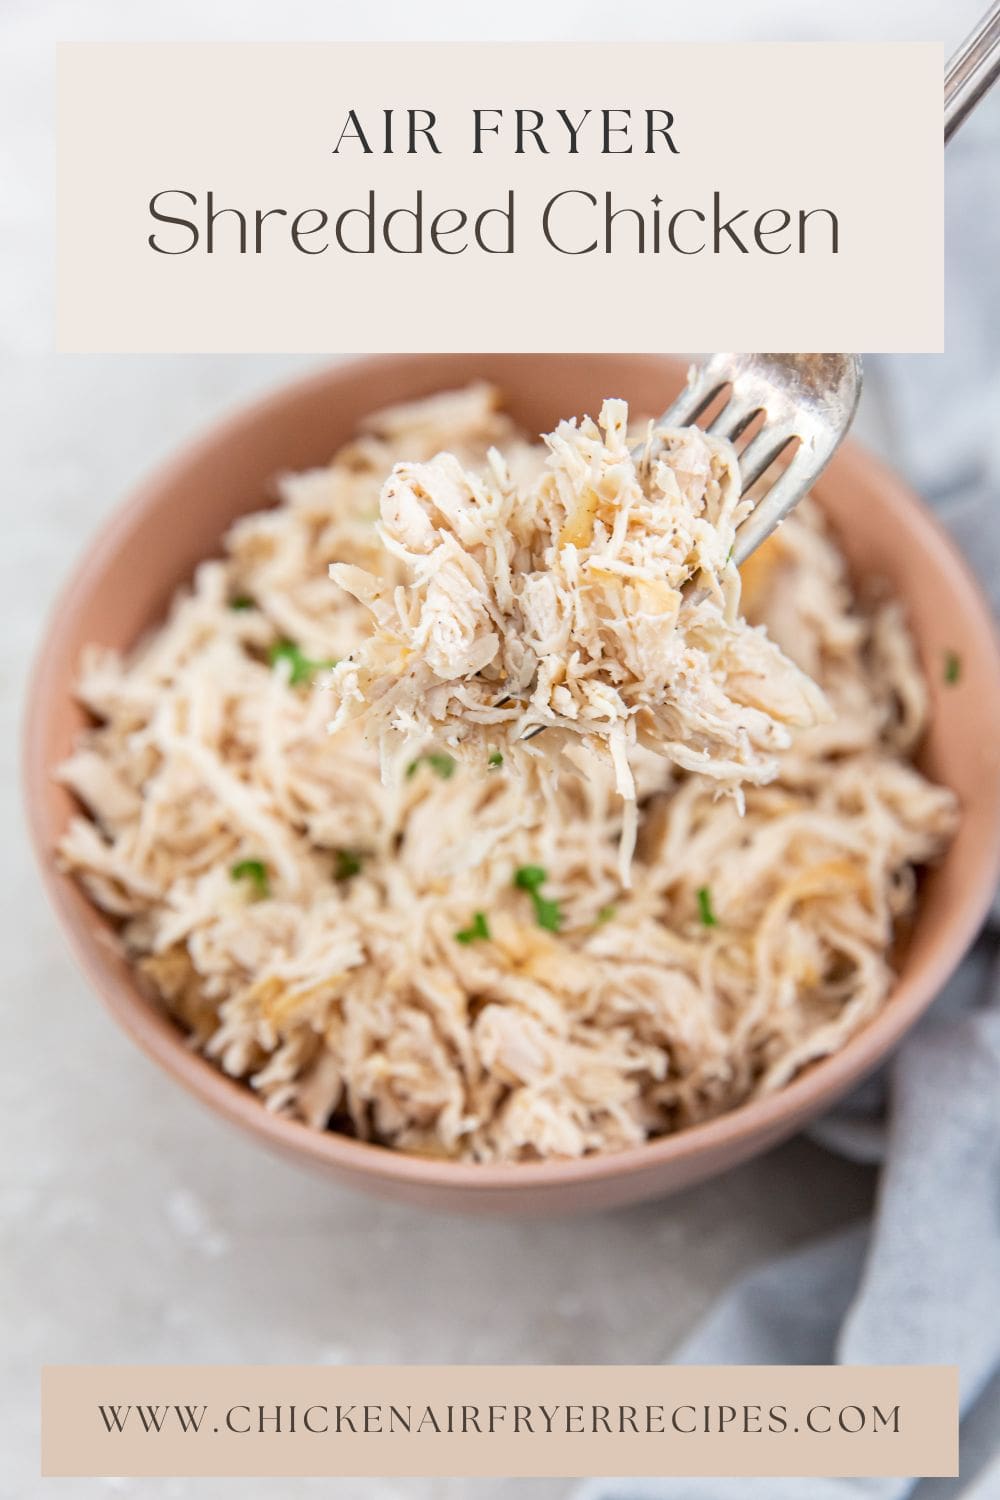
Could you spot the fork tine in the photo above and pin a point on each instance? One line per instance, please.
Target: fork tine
(703, 385)
(761, 451)
(772, 508)
(735, 417)
(689, 405)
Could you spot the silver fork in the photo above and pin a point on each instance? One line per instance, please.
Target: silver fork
(810, 398)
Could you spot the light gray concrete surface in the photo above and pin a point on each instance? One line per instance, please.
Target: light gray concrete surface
(134, 1227)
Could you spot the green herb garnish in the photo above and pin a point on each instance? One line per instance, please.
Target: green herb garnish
(477, 929)
(952, 667)
(254, 870)
(242, 601)
(606, 914)
(303, 668)
(496, 759)
(705, 911)
(531, 878)
(547, 913)
(440, 762)
(348, 864)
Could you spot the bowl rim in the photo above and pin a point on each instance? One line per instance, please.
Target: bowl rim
(763, 1119)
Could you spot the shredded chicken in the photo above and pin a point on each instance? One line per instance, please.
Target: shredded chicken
(435, 961)
(597, 601)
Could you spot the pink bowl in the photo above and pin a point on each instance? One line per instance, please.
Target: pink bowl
(177, 517)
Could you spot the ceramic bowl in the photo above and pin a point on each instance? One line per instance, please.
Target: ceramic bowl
(177, 517)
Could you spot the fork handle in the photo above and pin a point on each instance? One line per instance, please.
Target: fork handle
(972, 71)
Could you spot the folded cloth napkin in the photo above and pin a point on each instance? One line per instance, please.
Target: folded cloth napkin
(920, 1283)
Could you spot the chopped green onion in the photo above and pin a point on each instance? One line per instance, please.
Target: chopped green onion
(254, 870)
(731, 554)
(440, 762)
(547, 914)
(348, 864)
(705, 911)
(607, 914)
(952, 667)
(496, 759)
(303, 668)
(242, 601)
(477, 929)
(531, 878)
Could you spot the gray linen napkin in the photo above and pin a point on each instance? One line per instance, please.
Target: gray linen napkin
(920, 1283)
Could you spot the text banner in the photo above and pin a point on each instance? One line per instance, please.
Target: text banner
(518, 1421)
(461, 197)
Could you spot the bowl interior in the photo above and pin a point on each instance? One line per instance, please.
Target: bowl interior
(178, 517)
